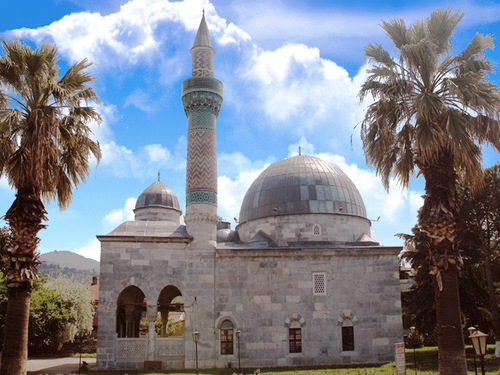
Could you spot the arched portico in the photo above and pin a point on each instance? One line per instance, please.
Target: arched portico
(130, 307)
(171, 307)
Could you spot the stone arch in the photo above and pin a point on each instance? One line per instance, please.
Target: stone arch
(130, 308)
(295, 320)
(171, 305)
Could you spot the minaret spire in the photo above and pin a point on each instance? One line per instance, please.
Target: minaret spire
(202, 99)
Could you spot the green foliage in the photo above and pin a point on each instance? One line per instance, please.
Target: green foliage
(478, 225)
(60, 312)
(80, 306)
(175, 328)
(5, 244)
(50, 314)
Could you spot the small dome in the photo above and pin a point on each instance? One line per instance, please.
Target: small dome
(301, 185)
(158, 194)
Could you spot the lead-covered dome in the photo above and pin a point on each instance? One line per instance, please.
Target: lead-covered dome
(158, 194)
(157, 202)
(303, 201)
(301, 185)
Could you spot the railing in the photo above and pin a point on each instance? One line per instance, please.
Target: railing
(170, 347)
(137, 348)
(132, 348)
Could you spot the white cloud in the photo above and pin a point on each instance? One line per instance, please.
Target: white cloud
(157, 153)
(140, 100)
(134, 34)
(102, 132)
(296, 85)
(120, 215)
(4, 185)
(91, 250)
(146, 161)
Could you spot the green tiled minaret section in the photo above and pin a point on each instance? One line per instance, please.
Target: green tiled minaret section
(201, 99)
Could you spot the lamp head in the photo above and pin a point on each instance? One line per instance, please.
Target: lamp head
(479, 342)
(196, 336)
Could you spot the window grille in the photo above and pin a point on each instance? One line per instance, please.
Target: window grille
(295, 340)
(317, 230)
(347, 339)
(319, 284)
(226, 338)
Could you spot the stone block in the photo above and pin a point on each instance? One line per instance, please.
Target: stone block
(292, 299)
(321, 314)
(383, 341)
(262, 299)
(140, 262)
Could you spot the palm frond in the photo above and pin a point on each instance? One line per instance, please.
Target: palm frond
(49, 126)
(441, 25)
(377, 54)
(396, 31)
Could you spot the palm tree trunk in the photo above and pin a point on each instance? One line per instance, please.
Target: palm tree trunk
(438, 221)
(15, 348)
(451, 353)
(25, 218)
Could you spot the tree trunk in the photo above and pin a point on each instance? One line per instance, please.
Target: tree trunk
(15, 348)
(438, 221)
(451, 353)
(25, 218)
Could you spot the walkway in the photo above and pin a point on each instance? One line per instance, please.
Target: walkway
(56, 366)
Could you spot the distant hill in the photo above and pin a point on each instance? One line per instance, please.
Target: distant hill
(68, 264)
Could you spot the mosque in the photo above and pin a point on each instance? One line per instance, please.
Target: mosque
(299, 281)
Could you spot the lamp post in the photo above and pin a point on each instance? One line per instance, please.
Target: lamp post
(479, 342)
(238, 334)
(413, 331)
(196, 337)
(471, 330)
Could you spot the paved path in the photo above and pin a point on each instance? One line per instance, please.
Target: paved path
(56, 366)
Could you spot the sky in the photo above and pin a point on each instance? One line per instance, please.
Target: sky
(291, 72)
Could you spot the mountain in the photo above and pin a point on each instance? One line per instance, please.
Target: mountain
(68, 264)
(70, 260)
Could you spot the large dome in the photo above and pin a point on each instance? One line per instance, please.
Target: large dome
(301, 185)
(158, 194)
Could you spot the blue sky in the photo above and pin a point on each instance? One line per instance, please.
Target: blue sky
(291, 72)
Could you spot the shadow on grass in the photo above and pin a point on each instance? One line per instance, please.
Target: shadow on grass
(426, 361)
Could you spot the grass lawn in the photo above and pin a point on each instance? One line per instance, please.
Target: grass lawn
(426, 359)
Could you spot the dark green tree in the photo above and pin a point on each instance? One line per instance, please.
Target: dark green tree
(50, 314)
(480, 227)
(478, 236)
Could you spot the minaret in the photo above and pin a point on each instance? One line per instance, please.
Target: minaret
(202, 99)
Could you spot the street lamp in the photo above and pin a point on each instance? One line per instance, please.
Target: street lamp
(196, 337)
(413, 331)
(238, 334)
(479, 342)
(471, 330)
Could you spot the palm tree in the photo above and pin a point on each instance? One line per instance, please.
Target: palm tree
(431, 113)
(45, 147)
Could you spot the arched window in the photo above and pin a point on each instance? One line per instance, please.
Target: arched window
(316, 230)
(130, 307)
(295, 337)
(226, 338)
(347, 336)
(295, 323)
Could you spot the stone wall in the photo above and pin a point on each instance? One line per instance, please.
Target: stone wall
(261, 292)
(299, 228)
